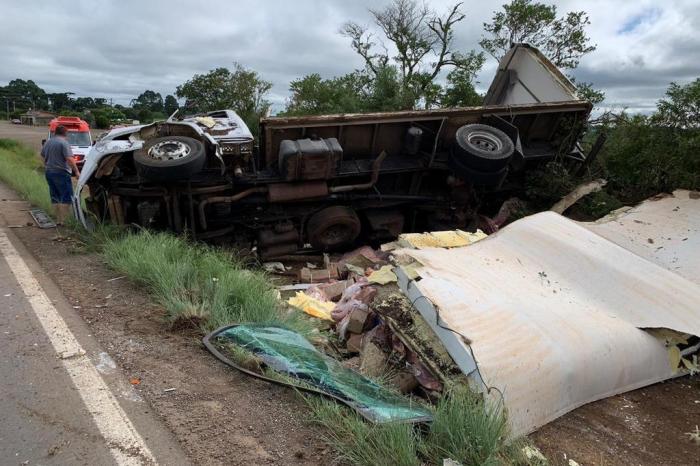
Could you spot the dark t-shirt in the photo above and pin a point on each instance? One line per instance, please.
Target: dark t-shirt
(55, 153)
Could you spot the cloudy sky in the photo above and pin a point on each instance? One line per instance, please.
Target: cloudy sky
(117, 49)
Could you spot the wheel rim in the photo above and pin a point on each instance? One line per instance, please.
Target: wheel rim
(169, 150)
(485, 141)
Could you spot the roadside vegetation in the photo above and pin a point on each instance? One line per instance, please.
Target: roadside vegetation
(197, 285)
(20, 168)
(643, 155)
(465, 428)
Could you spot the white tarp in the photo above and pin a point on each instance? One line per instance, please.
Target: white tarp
(553, 312)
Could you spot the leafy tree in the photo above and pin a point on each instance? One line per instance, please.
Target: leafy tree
(60, 100)
(460, 90)
(148, 100)
(586, 91)
(563, 40)
(313, 95)
(242, 90)
(82, 103)
(25, 94)
(424, 44)
(107, 116)
(170, 104)
(681, 108)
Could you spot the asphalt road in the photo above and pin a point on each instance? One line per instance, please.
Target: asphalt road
(63, 400)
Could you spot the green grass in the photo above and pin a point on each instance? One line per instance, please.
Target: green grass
(197, 283)
(20, 168)
(465, 429)
(361, 443)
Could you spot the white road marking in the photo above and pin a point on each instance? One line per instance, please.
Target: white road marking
(121, 438)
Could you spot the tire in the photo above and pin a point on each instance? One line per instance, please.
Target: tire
(170, 158)
(482, 147)
(333, 228)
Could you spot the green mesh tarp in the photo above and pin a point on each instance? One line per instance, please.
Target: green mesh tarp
(288, 353)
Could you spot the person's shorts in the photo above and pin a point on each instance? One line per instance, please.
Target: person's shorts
(60, 187)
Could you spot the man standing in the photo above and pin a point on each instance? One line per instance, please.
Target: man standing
(59, 164)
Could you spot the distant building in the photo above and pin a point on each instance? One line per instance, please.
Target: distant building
(37, 118)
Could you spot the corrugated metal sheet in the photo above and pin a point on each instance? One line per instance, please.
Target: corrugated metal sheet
(664, 230)
(552, 311)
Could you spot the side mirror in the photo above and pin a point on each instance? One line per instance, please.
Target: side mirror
(43, 141)
(94, 142)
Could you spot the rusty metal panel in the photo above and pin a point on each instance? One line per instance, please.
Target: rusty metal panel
(552, 314)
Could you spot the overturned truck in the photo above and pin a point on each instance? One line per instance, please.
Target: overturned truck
(327, 182)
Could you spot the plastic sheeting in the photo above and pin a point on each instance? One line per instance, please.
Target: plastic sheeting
(551, 312)
(288, 353)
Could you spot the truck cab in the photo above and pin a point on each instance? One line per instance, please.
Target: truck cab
(78, 136)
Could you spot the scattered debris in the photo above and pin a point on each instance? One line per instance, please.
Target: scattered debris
(533, 453)
(134, 381)
(694, 435)
(296, 362)
(116, 278)
(273, 267)
(312, 306)
(168, 390)
(42, 219)
(71, 354)
(435, 239)
(106, 364)
(577, 194)
(383, 276)
(308, 275)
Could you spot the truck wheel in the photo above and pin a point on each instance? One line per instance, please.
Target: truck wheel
(333, 228)
(170, 158)
(482, 147)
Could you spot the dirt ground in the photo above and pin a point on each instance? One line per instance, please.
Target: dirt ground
(29, 135)
(223, 417)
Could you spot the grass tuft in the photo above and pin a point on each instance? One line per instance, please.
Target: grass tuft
(361, 443)
(465, 429)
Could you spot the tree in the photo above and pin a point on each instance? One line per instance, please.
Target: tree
(586, 91)
(312, 95)
(242, 90)
(170, 104)
(460, 91)
(59, 101)
(25, 94)
(82, 103)
(107, 116)
(681, 108)
(424, 47)
(148, 100)
(563, 40)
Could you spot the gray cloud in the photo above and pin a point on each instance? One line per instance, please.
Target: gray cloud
(118, 49)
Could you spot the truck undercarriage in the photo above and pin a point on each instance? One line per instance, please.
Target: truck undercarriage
(328, 182)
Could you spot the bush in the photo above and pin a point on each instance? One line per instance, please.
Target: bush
(642, 158)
